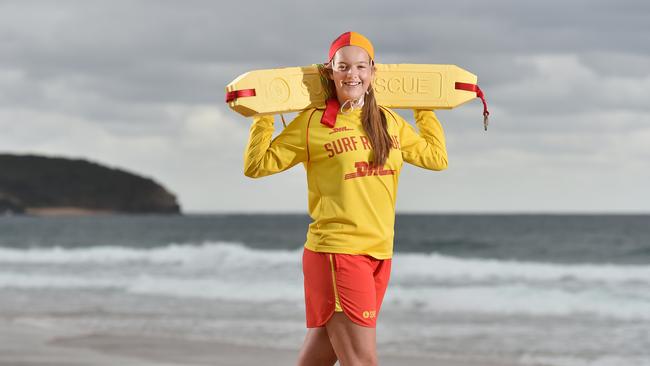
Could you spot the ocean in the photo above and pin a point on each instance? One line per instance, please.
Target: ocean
(566, 290)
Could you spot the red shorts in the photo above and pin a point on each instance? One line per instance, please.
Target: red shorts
(354, 284)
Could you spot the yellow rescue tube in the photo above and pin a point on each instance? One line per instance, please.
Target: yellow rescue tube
(407, 86)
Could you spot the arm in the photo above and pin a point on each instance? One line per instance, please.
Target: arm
(264, 156)
(427, 149)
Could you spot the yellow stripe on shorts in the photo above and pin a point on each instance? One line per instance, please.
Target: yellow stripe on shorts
(337, 304)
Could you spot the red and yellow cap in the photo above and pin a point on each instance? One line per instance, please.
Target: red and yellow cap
(352, 39)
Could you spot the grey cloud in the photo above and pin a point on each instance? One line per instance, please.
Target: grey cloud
(137, 69)
(617, 64)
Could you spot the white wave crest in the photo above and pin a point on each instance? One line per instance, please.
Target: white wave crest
(420, 282)
(411, 267)
(233, 253)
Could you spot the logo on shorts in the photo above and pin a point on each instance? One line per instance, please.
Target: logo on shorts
(369, 314)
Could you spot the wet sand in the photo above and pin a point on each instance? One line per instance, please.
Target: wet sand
(25, 344)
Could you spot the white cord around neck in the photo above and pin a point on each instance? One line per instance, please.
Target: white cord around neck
(354, 104)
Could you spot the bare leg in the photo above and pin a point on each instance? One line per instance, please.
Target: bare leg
(354, 345)
(317, 349)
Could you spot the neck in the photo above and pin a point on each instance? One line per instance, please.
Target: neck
(350, 105)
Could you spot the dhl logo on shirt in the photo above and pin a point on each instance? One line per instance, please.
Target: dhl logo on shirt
(368, 168)
(340, 129)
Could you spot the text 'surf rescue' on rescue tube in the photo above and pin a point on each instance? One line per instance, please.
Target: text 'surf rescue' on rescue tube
(408, 86)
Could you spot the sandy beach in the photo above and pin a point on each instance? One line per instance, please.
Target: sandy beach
(23, 343)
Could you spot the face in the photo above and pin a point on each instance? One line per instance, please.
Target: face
(352, 72)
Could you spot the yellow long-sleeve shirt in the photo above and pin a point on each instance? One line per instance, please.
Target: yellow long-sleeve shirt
(351, 201)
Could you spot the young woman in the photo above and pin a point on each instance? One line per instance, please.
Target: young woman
(353, 152)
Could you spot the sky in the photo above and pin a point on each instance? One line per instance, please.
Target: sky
(139, 86)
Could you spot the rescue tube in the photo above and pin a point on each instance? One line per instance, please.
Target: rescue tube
(400, 86)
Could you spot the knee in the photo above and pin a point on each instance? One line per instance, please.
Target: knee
(316, 359)
(369, 360)
(362, 359)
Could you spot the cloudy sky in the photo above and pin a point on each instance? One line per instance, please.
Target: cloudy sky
(139, 85)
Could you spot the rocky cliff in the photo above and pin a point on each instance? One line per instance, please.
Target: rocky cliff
(39, 184)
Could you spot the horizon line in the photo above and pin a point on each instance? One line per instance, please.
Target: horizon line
(622, 213)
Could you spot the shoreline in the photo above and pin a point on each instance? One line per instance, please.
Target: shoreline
(66, 211)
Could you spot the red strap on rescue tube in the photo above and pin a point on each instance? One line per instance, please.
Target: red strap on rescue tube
(479, 94)
(232, 95)
(332, 106)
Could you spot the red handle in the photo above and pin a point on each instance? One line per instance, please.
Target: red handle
(232, 95)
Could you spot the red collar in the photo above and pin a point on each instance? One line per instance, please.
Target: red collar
(332, 106)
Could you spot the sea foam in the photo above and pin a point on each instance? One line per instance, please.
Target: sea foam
(420, 282)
